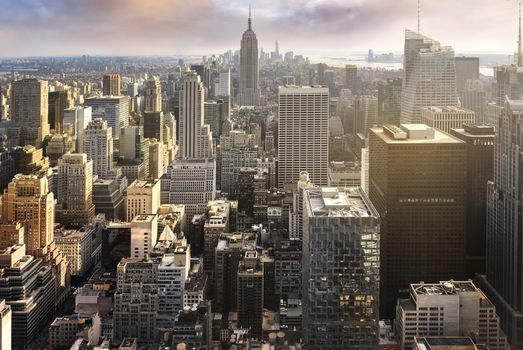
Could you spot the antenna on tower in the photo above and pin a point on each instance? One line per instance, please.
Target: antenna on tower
(520, 49)
(250, 22)
(419, 13)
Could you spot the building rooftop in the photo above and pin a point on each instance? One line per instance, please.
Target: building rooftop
(413, 134)
(446, 109)
(443, 288)
(447, 343)
(339, 202)
(144, 218)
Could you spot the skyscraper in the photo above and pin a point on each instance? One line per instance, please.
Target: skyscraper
(75, 122)
(467, 68)
(249, 93)
(111, 85)
(341, 269)
(29, 112)
(480, 170)
(250, 294)
(429, 76)
(98, 145)
(113, 109)
(195, 137)
(75, 190)
(153, 115)
(417, 181)
(5, 325)
(303, 133)
(28, 200)
(389, 101)
(57, 102)
(504, 229)
(136, 300)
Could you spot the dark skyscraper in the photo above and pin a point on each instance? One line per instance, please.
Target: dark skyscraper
(417, 181)
(480, 167)
(389, 101)
(504, 225)
(111, 85)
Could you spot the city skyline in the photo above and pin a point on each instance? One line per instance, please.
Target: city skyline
(164, 27)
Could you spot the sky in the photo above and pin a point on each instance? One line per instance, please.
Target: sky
(175, 27)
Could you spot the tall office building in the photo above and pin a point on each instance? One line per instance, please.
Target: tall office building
(111, 85)
(296, 211)
(449, 308)
(195, 137)
(351, 78)
(98, 145)
(153, 95)
(249, 94)
(223, 85)
(474, 97)
(250, 293)
(113, 109)
(341, 269)
(446, 118)
(303, 133)
(480, 170)
(136, 300)
(143, 197)
(75, 122)
(192, 183)
(134, 149)
(28, 200)
(57, 102)
(173, 271)
(467, 68)
(389, 101)
(504, 229)
(75, 190)
(365, 109)
(418, 182)
(153, 115)
(429, 76)
(29, 112)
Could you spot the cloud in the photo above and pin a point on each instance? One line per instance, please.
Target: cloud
(112, 27)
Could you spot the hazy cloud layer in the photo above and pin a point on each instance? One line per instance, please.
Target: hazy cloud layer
(62, 27)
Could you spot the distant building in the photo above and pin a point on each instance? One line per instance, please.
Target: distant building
(113, 109)
(249, 93)
(389, 101)
(429, 76)
(75, 190)
(340, 233)
(29, 112)
(111, 85)
(467, 68)
(58, 101)
(474, 97)
(75, 122)
(446, 118)
(192, 183)
(448, 308)
(195, 138)
(98, 145)
(306, 150)
(28, 200)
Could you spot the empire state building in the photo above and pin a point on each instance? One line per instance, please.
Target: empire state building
(249, 94)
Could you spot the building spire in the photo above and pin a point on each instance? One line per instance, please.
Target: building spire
(520, 49)
(249, 22)
(419, 12)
